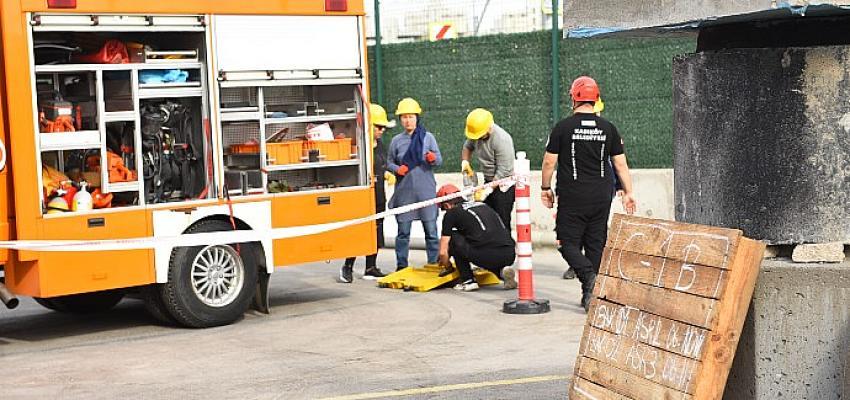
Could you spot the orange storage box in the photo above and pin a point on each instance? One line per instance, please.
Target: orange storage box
(285, 152)
(332, 150)
(248, 148)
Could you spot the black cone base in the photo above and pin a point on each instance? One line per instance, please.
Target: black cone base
(536, 306)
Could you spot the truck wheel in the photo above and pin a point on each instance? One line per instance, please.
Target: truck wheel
(210, 285)
(84, 303)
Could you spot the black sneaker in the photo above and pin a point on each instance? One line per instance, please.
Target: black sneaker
(345, 274)
(570, 273)
(373, 273)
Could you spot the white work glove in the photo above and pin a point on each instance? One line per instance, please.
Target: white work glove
(466, 168)
(504, 187)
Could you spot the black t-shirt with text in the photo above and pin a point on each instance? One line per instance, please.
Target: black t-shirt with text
(478, 223)
(584, 143)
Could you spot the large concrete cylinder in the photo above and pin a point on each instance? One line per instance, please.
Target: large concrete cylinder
(762, 142)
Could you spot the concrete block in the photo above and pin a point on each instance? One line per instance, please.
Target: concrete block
(796, 339)
(645, 13)
(762, 142)
(821, 252)
(771, 252)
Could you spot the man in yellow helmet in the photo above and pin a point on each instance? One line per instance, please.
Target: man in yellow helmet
(378, 119)
(494, 149)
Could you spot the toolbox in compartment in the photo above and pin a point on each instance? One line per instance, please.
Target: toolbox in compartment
(287, 152)
(333, 150)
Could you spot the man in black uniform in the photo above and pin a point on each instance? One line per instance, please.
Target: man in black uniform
(473, 233)
(378, 117)
(580, 146)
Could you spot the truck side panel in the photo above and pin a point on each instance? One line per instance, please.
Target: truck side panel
(6, 205)
(318, 209)
(19, 94)
(61, 273)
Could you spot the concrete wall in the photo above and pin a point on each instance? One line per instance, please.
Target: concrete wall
(796, 339)
(653, 191)
(645, 13)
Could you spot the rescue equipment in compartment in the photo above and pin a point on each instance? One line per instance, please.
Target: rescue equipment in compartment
(112, 52)
(172, 153)
(101, 200)
(118, 171)
(58, 115)
(82, 200)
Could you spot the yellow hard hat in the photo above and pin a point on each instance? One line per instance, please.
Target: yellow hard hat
(598, 106)
(408, 106)
(478, 123)
(379, 116)
(57, 205)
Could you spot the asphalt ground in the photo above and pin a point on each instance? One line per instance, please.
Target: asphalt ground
(323, 340)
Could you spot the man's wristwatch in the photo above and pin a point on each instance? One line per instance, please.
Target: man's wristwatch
(545, 189)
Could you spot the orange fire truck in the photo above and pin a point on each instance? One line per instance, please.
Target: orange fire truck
(158, 118)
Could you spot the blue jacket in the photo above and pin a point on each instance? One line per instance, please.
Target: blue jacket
(419, 183)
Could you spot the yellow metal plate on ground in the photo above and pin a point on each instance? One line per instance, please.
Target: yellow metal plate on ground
(423, 279)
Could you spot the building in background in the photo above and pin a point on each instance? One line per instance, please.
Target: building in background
(406, 21)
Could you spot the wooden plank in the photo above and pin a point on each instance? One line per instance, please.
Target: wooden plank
(583, 389)
(656, 331)
(695, 279)
(656, 365)
(723, 340)
(697, 244)
(667, 303)
(621, 383)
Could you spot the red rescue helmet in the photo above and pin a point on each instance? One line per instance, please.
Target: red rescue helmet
(584, 89)
(446, 190)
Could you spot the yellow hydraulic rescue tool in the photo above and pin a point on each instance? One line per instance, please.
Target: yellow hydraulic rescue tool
(428, 277)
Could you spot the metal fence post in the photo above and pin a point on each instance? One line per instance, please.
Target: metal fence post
(556, 68)
(379, 58)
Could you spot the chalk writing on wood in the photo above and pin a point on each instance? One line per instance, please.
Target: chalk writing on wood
(670, 301)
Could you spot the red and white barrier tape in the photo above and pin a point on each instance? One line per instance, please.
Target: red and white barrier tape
(226, 237)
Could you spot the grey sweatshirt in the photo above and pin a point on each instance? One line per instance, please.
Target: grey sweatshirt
(495, 154)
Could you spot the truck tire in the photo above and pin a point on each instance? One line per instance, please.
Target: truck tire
(154, 305)
(210, 285)
(84, 303)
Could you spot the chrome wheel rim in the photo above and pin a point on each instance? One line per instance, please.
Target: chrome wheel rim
(217, 275)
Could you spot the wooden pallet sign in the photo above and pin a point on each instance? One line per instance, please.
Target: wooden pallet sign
(670, 304)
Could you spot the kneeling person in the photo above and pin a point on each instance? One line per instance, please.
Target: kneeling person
(473, 233)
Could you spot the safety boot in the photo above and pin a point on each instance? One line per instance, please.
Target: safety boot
(587, 291)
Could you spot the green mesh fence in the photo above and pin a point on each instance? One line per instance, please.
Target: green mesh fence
(510, 75)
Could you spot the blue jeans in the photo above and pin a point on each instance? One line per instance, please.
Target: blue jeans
(402, 242)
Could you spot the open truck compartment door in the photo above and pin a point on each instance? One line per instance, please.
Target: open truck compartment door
(292, 102)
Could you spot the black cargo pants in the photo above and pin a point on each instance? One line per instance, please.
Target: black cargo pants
(583, 228)
(492, 259)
